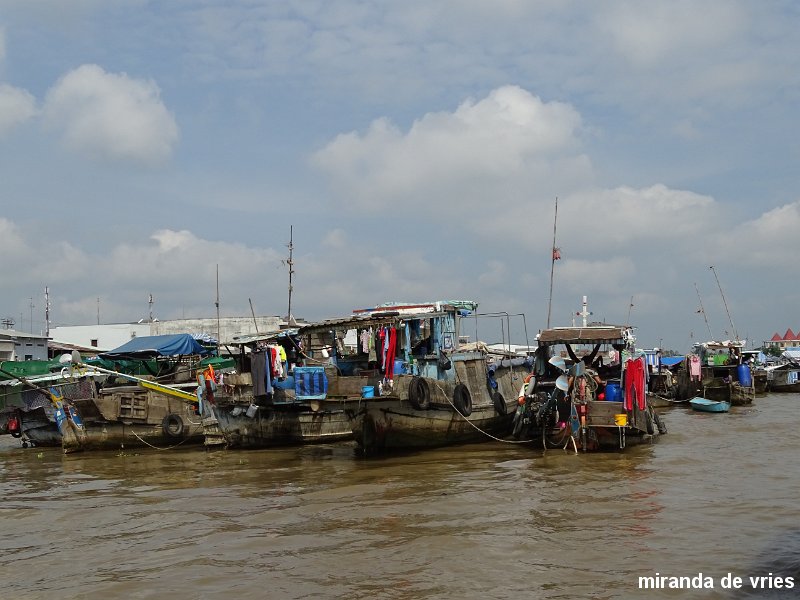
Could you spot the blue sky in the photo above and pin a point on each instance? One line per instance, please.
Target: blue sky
(416, 148)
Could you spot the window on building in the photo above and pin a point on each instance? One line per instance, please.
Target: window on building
(93, 343)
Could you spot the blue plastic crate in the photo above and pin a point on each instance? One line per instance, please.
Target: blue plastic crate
(310, 383)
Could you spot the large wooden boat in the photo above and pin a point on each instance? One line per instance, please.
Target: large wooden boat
(157, 408)
(401, 375)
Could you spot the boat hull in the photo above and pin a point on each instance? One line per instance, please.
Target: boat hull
(393, 424)
(270, 426)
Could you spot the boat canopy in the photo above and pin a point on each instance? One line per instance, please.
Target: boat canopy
(151, 346)
(592, 334)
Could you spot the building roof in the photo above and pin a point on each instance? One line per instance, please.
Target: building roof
(12, 334)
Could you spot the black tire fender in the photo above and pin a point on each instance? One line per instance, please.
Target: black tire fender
(649, 420)
(419, 394)
(172, 426)
(499, 403)
(462, 399)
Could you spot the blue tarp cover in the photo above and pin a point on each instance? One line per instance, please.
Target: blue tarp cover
(157, 345)
(671, 361)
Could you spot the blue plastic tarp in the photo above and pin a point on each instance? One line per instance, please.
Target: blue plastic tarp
(149, 346)
(671, 361)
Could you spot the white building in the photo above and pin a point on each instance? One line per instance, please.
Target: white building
(16, 345)
(108, 337)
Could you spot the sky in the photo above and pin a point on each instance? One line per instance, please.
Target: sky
(416, 150)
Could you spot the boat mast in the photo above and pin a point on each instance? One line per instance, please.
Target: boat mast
(555, 256)
(733, 327)
(703, 310)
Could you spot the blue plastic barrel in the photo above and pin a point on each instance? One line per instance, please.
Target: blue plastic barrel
(613, 392)
(745, 376)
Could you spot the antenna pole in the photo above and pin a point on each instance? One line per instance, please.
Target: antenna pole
(630, 306)
(290, 263)
(46, 311)
(553, 259)
(733, 327)
(219, 340)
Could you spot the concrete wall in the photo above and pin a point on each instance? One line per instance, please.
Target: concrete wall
(102, 337)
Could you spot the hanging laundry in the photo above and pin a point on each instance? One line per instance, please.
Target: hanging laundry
(635, 383)
(258, 370)
(372, 356)
(695, 368)
(391, 348)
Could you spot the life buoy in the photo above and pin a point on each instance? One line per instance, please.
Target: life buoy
(462, 399)
(499, 403)
(173, 426)
(419, 394)
(14, 427)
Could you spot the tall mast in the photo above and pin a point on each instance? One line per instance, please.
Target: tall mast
(733, 327)
(555, 256)
(290, 264)
(703, 310)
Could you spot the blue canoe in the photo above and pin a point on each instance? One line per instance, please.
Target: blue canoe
(705, 405)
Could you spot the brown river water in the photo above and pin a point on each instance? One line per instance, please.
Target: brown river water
(717, 495)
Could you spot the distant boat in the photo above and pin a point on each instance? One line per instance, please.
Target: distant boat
(705, 405)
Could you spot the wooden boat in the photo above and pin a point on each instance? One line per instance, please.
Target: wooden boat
(427, 390)
(253, 406)
(785, 378)
(706, 405)
(724, 376)
(581, 402)
(32, 401)
(159, 409)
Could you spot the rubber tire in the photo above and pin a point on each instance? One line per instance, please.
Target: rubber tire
(462, 399)
(660, 425)
(499, 403)
(172, 426)
(419, 394)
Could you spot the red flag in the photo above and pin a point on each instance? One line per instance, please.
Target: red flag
(556, 253)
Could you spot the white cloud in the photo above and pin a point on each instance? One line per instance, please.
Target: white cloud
(16, 105)
(464, 157)
(111, 115)
(652, 33)
(768, 241)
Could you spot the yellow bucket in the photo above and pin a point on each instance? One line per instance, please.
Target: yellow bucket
(621, 420)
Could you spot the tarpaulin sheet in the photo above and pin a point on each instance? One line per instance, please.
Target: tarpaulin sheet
(157, 345)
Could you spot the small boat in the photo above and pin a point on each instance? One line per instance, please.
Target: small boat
(584, 404)
(706, 405)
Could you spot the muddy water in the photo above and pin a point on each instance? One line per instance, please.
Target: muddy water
(717, 495)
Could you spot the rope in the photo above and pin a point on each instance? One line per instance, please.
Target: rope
(156, 447)
(486, 433)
